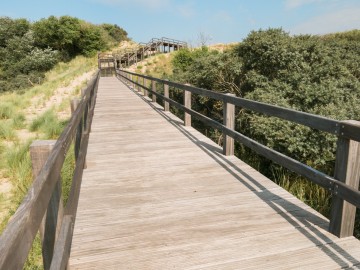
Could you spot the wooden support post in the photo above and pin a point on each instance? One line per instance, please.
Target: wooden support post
(166, 94)
(229, 122)
(347, 170)
(138, 81)
(145, 91)
(74, 103)
(153, 83)
(51, 223)
(187, 104)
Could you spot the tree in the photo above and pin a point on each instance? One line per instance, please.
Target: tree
(116, 32)
(10, 28)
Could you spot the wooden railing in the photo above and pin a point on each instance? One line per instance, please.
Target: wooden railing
(42, 207)
(343, 186)
(133, 55)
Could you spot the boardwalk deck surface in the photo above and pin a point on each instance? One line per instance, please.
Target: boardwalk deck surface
(158, 195)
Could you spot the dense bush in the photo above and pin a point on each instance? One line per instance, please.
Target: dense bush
(315, 74)
(27, 50)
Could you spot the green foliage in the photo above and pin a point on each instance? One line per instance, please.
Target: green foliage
(58, 33)
(67, 172)
(6, 110)
(28, 50)
(91, 40)
(19, 121)
(315, 74)
(10, 28)
(115, 32)
(6, 131)
(48, 124)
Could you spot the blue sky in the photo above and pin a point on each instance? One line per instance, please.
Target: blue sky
(219, 21)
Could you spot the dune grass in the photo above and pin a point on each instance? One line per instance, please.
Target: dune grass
(15, 163)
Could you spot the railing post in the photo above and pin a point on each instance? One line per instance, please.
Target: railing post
(153, 83)
(229, 122)
(166, 94)
(347, 170)
(131, 84)
(51, 223)
(138, 81)
(187, 104)
(145, 91)
(74, 104)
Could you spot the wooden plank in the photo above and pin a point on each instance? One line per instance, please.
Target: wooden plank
(159, 195)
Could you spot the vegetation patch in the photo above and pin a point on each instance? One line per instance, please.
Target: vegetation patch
(314, 74)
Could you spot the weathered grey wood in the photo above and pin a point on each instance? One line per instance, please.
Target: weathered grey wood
(345, 192)
(74, 104)
(145, 86)
(153, 88)
(166, 94)
(198, 210)
(350, 130)
(63, 245)
(347, 170)
(229, 122)
(307, 119)
(187, 104)
(50, 227)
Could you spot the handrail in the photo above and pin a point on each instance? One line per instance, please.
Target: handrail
(18, 236)
(131, 55)
(321, 123)
(341, 186)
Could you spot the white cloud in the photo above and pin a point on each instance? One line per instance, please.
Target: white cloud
(293, 4)
(334, 21)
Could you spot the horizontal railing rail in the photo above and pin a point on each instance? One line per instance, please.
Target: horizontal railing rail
(344, 185)
(132, 55)
(44, 196)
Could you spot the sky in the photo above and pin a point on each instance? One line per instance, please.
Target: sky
(194, 21)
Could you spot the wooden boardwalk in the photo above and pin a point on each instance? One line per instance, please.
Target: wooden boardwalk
(158, 195)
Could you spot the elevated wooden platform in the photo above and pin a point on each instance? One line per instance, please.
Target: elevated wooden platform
(158, 195)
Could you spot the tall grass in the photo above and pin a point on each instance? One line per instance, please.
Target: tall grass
(312, 194)
(15, 160)
(19, 121)
(7, 131)
(6, 110)
(49, 124)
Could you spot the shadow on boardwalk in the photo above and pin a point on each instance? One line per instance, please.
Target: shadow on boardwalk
(299, 218)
